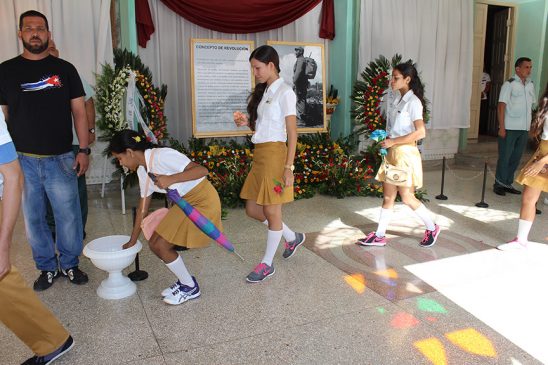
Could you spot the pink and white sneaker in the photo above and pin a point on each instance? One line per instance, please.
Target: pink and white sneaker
(430, 237)
(515, 244)
(372, 240)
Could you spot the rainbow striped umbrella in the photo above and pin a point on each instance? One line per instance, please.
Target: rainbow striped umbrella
(203, 223)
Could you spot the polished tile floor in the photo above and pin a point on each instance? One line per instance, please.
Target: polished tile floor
(459, 302)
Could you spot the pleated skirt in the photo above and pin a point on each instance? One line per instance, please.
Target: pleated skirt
(264, 183)
(179, 230)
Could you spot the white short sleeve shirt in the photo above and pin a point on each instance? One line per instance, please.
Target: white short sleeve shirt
(485, 79)
(167, 161)
(519, 99)
(278, 102)
(4, 134)
(402, 113)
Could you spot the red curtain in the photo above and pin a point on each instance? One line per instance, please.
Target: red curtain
(237, 16)
(327, 25)
(145, 25)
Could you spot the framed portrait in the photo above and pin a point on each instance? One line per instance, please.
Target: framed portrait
(302, 66)
(221, 82)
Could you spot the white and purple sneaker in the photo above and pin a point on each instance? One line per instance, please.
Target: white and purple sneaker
(183, 293)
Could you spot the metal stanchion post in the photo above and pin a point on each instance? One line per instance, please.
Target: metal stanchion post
(138, 274)
(482, 203)
(441, 196)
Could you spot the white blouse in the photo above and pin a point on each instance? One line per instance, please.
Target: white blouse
(278, 102)
(167, 161)
(401, 113)
(4, 134)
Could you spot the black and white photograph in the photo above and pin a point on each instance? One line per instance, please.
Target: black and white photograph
(302, 67)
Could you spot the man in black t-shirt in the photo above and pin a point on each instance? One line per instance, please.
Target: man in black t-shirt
(40, 95)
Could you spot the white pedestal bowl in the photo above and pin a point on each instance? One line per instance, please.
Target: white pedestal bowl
(107, 254)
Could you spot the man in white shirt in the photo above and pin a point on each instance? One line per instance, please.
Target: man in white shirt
(514, 112)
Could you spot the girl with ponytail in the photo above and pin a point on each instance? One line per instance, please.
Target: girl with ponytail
(404, 127)
(175, 171)
(272, 116)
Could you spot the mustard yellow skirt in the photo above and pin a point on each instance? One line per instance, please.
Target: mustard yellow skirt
(539, 181)
(179, 230)
(406, 156)
(264, 183)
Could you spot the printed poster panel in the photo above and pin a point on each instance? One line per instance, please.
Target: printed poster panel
(221, 82)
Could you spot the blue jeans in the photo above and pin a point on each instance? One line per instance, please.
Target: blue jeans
(52, 178)
(83, 194)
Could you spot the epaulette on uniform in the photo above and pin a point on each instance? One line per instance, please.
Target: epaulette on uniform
(511, 79)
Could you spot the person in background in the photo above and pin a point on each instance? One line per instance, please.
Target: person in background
(90, 116)
(514, 111)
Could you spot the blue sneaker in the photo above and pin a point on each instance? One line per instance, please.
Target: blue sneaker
(183, 293)
(49, 358)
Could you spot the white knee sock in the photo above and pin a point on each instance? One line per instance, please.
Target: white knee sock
(384, 219)
(288, 234)
(272, 243)
(179, 269)
(426, 217)
(523, 230)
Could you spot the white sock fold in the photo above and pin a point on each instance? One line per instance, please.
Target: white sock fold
(384, 219)
(179, 269)
(523, 230)
(272, 243)
(424, 214)
(288, 234)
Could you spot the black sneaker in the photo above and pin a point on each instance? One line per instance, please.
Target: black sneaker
(45, 280)
(75, 275)
(49, 358)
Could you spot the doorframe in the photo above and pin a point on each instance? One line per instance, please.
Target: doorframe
(510, 51)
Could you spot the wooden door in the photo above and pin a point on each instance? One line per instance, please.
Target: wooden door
(500, 65)
(480, 22)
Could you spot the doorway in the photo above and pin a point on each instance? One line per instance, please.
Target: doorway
(493, 54)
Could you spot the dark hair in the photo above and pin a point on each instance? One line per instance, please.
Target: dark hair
(32, 13)
(408, 69)
(128, 138)
(520, 61)
(264, 54)
(542, 112)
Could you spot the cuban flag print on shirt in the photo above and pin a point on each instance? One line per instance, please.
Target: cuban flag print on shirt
(45, 83)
